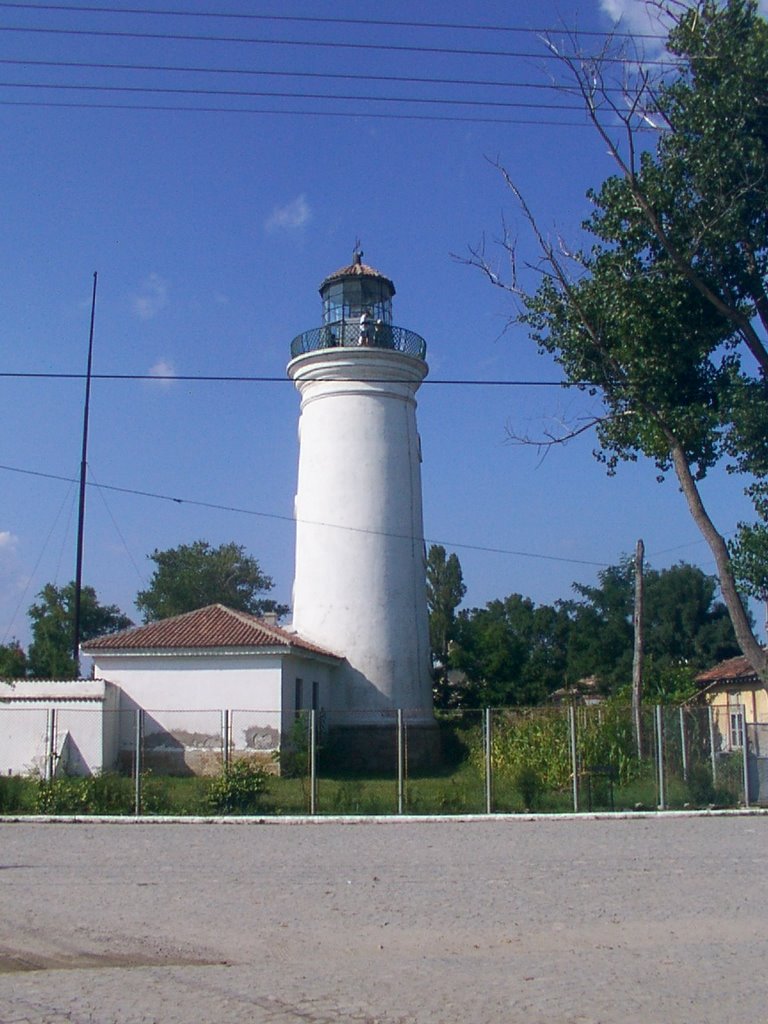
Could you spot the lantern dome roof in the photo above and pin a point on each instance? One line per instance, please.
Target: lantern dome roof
(357, 269)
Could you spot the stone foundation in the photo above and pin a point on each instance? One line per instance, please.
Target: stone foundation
(181, 762)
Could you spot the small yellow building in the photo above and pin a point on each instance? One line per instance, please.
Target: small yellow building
(736, 696)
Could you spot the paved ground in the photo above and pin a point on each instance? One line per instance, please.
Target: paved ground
(648, 920)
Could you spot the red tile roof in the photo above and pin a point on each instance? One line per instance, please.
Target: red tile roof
(732, 670)
(204, 629)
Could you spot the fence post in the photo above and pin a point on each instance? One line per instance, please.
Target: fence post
(138, 737)
(50, 745)
(660, 756)
(226, 741)
(488, 762)
(312, 762)
(400, 763)
(574, 756)
(712, 757)
(683, 751)
(745, 754)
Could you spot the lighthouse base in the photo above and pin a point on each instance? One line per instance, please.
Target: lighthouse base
(375, 747)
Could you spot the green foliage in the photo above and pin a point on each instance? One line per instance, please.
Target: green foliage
(515, 653)
(670, 685)
(445, 590)
(294, 749)
(530, 744)
(663, 314)
(606, 741)
(174, 795)
(240, 788)
(749, 550)
(512, 652)
(685, 626)
(106, 793)
(52, 617)
(529, 784)
(13, 661)
(192, 576)
(17, 795)
(700, 786)
(531, 749)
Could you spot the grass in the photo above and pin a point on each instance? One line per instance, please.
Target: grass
(455, 789)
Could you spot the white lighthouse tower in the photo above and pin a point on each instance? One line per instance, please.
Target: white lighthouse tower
(360, 588)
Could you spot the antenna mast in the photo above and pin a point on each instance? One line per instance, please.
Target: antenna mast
(81, 505)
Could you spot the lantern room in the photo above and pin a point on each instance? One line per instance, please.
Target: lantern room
(354, 291)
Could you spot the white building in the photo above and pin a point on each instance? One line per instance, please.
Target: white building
(208, 677)
(189, 688)
(360, 580)
(66, 726)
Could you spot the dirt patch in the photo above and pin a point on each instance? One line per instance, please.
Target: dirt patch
(14, 962)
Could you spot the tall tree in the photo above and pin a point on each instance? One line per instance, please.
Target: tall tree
(665, 314)
(192, 576)
(52, 618)
(512, 652)
(13, 661)
(445, 590)
(685, 624)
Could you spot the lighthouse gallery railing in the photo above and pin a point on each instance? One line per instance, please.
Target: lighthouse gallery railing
(350, 335)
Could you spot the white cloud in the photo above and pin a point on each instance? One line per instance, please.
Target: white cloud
(643, 18)
(164, 371)
(635, 16)
(290, 217)
(8, 541)
(151, 298)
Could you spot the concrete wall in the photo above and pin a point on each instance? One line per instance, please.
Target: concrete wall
(86, 723)
(184, 696)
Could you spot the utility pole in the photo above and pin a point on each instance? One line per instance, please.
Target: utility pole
(81, 504)
(637, 658)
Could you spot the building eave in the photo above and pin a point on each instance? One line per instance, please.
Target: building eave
(277, 651)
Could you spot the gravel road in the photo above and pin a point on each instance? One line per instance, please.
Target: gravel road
(558, 921)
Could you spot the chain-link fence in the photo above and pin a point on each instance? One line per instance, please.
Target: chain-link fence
(511, 760)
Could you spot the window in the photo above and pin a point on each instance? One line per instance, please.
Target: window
(736, 724)
(315, 696)
(299, 695)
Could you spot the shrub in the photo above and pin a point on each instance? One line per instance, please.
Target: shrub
(529, 785)
(17, 794)
(240, 788)
(294, 750)
(106, 793)
(535, 740)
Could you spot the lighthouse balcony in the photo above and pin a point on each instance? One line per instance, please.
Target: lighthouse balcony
(355, 335)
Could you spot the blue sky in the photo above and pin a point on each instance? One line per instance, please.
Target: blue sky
(211, 232)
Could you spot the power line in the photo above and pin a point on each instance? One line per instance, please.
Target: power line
(537, 122)
(304, 19)
(326, 75)
(242, 379)
(316, 44)
(292, 519)
(268, 94)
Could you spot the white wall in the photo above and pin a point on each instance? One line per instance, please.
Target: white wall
(85, 726)
(183, 696)
(360, 583)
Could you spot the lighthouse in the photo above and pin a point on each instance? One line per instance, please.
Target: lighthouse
(360, 580)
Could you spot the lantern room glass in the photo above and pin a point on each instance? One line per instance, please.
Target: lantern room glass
(349, 298)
